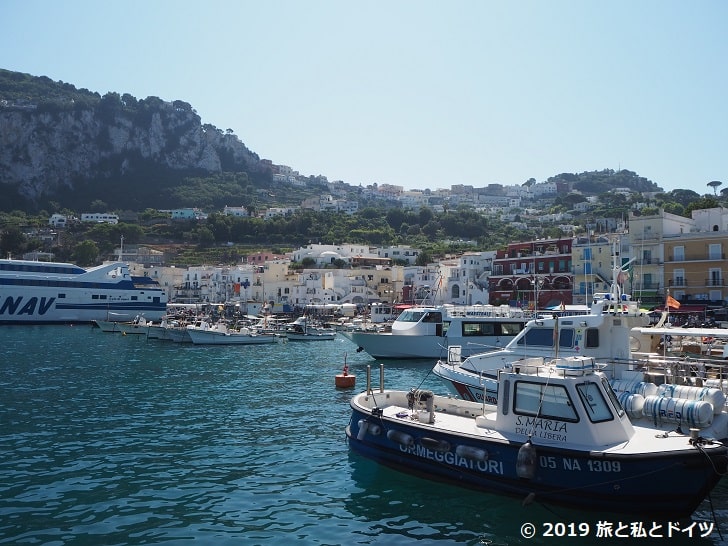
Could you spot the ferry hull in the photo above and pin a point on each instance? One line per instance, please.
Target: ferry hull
(43, 307)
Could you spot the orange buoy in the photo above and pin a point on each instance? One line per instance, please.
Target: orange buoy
(344, 380)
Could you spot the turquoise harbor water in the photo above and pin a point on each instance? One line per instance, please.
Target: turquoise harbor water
(111, 439)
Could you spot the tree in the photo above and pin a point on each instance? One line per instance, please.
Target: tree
(702, 203)
(714, 184)
(12, 241)
(85, 253)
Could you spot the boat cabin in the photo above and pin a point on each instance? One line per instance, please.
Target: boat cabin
(562, 401)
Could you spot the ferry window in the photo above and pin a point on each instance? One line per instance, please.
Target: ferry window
(61, 296)
(594, 403)
(543, 401)
(94, 296)
(133, 298)
(510, 328)
(591, 339)
(478, 329)
(433, 317)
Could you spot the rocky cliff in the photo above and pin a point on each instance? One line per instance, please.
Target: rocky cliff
(49, 146)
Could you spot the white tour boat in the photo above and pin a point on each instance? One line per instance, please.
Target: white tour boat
(426, 332)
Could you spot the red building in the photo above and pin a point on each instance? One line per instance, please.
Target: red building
(536, 274)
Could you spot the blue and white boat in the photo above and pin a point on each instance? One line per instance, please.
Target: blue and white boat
(558, 435)
(53, 292)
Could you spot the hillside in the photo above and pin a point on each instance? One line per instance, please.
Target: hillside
(63, 147)
(69, 147)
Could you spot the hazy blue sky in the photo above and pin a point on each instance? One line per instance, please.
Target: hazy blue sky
(419, 93)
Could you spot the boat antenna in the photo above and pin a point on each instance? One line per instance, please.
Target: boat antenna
(121, 249)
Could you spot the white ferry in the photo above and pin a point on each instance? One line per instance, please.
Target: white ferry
(53, 292)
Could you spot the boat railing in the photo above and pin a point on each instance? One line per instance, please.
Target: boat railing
(505, 311)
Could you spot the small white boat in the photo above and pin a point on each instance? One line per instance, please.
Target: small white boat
(220, 334)
(139, 325)
(558, 434)
(301, 330)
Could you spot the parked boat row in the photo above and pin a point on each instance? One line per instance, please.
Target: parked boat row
(202, 331)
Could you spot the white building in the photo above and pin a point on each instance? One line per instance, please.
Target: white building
(236, 211)
(100, 217)
(58, 220)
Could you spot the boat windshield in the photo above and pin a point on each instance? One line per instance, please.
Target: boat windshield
(594, 403)
(543, 401)
(417, 316)
(544, 337)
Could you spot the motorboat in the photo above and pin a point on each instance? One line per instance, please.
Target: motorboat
(301, 329)
(557, 435)
(426, 332)
(604, 333)
(221, 334)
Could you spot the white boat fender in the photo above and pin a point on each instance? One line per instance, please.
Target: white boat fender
(432, 444)
(642, 387)
(400, 437)
(470, 452)
(632, 403)
(526, 461)
(694, 413)
(365, 427)
(705, 394)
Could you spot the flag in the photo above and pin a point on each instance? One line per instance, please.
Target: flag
(672, 302)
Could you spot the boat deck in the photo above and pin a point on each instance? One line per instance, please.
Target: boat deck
(467, 419)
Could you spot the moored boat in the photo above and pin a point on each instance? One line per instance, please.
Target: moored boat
(221, 334)
(301, 330)
(558, 434)
(426, 332)
(604, 333)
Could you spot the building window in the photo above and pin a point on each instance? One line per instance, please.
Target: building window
(714, 251)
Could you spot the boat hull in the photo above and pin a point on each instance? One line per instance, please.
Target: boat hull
(207, 337)
(328, 336)
(386, 345)
(665, 484)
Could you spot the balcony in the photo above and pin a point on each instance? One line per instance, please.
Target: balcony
(696, 258)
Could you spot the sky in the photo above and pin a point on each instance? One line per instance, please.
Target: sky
(416, 93)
